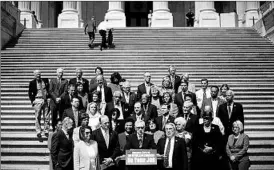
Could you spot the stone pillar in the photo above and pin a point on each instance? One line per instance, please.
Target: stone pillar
(79, 9)
(197, 13)
(208, 16)
(26, 15)
(161, 16)
(116, 14)
(240, 8)
(251, 12)
(69, 18)
(36, 7)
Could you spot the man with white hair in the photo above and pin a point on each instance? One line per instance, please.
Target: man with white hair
(106, 93)
(38, 95)
(191, 119)
(173, 150)
(144, 88)
(79, 78)
(57, 87)
(117, 103)
(175, 79)
(129, 98)
(230, 112)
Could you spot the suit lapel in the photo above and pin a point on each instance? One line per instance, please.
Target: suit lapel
(102, 136)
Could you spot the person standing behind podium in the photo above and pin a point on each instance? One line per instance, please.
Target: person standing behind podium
(102, 27)
(91, 26)
(173, 150)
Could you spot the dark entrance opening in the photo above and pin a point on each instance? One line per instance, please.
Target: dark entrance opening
(136, 13)
(58, 10)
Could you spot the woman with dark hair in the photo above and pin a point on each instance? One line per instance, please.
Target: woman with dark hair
(223, 89)
(96, 97)
(237, 146)
(116, 125)
(115, 79)
(93, 82)
(167, 99)
(82, 94)
(195, 109)
(85, 153)
(153, 129)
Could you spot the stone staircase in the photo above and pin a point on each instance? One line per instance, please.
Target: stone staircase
(237, 56)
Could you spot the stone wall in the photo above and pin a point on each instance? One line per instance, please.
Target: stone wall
(10, 23)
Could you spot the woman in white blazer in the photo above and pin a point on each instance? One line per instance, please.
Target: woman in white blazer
(86, 155)
(237, 146)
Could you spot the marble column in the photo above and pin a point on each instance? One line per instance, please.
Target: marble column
(251, 13)
(79, 9)
(26, 15)
(36, 7)
(207, 15)
(116, 14)
(69, 18)
(197, 13)
(240, 8)
(161, 16)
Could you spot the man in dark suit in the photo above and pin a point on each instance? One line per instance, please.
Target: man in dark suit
(129, 98)
(129, 122)
(173, 150)
(73, 112)
(230, 112)
(108, 143)
(57, 87)
(192, 121)
(117, 103)
(38, 95)
(161, 121)
(149, 109)
(175, 79)
(79, 78)
(180, 97)
(106, 93)
(214, 101)
(144, 88)
(138, 113)
(62, 147)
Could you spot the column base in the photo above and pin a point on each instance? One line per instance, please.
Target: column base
(209, 19)
(229, 19)
(249, 18)
(68, 20)
(116, 19)
(162, 19)
(81, 24)
(30, 21)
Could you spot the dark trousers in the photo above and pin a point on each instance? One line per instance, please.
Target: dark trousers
(110, 38)
(55, 110)
(104, 40)
(190, 22)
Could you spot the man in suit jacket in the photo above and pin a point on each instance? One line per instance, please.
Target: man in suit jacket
(38, 95)
(117, 103)
(57, 87)
(144, 88)
(129, 98)
(173, 149)
(214, 101)
(192, 121)
(129, 122)
(175, 79)
(62, 147)
(230, 112)
(203, 93)
(73, 112)
(138, 113)
(79, 78)
(161, 121)
(180, 97)
(149, 109)
(106, 93)
(191, 86)
(108, 143)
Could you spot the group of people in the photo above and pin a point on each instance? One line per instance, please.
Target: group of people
(104, 28)
(94, 122)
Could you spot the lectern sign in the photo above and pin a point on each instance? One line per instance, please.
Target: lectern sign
(141, 157)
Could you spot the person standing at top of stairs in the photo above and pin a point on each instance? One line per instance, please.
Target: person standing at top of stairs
(90, 28)
(102, 27)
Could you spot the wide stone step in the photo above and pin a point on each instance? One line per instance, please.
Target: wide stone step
(23, 167)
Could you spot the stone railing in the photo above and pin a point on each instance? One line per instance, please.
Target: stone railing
(10, 22)
(265, 8)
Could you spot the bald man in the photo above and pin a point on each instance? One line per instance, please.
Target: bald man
(192, 121)
(79, 78)
(38, 95)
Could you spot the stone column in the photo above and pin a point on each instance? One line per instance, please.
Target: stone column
(197, 13)
(79, 9)
(251, 12)
(208, 16)
(69, 18)
(36, 7)
(161, 16)
(26, 15)
(115, 15)
(240, 8)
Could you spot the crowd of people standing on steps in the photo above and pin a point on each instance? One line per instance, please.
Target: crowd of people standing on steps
(94, 122)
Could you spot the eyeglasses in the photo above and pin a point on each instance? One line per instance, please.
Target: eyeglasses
(140, 127)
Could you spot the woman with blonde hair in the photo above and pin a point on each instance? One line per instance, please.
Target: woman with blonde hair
(85, 154)
(237, 146)
(166, 86)
(94, 116)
